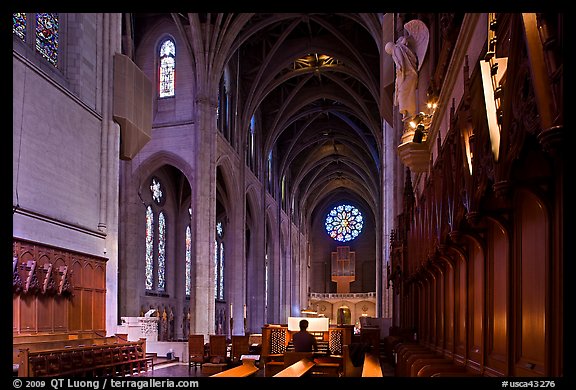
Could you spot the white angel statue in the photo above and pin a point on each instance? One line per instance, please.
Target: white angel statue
(408, 54)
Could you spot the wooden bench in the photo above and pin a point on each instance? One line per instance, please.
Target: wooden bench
(371, 366)
(328, 366)
(116, 359)
(300, 368)
(419, 363)
(49, 342)
(431, 369)
(247, 368)
(273, 363)
(405, 355)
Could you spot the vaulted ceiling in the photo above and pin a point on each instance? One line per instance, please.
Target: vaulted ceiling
(314, 79)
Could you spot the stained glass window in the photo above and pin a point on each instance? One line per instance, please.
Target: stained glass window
(156, 239)
(161, 252)
(156, 189)
(221, 273)
(251, 141)
(188, 259)
(167, 68)
(219, 263)
(149, 248)
(19, 25)
(46, 33)
(215, 269)
(47, 36)
(269, 182)
(344, 223)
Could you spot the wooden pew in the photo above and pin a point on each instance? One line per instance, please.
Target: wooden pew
(49, 342)
(300, 368)
(435, 368)
(247, 368)
(115, 359)
(328, 366)
(406, 351)
(419, 363)
(371, 366)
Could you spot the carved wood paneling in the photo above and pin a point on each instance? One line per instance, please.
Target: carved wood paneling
(498, 259)
(449, 307)
(532, 259)
(62, 291)
(475, 303)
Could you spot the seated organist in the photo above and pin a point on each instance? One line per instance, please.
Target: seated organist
(313, 335)
(303, 340)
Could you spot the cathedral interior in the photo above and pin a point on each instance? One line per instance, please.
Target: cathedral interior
(221, 174)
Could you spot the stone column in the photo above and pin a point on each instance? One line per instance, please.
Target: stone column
(202, 308)
(110, 167)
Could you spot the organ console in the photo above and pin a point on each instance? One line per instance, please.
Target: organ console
(277, 340)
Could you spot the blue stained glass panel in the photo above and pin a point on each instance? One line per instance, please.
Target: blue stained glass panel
(47, 36)
(344, 223)
(19, 25)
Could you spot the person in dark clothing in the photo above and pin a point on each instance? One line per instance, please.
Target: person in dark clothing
(303, 340)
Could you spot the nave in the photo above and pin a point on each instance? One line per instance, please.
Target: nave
(218, 174)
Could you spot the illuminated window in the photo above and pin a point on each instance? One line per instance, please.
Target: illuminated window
(224, 110)
(161, 251)
(156, 189)
(19, 25)
(269, 172)
(219, 263)
(47, 36)
(43, 34)
(344, 223)
(149, 248)
(188, 259)
(167, 68)
(155, 272)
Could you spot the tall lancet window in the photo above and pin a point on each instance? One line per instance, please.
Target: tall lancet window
(269, 172)
(149, 248)
(250, 152)
(161, 251)
(167, 68)
(188, 258)
(219, 263)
